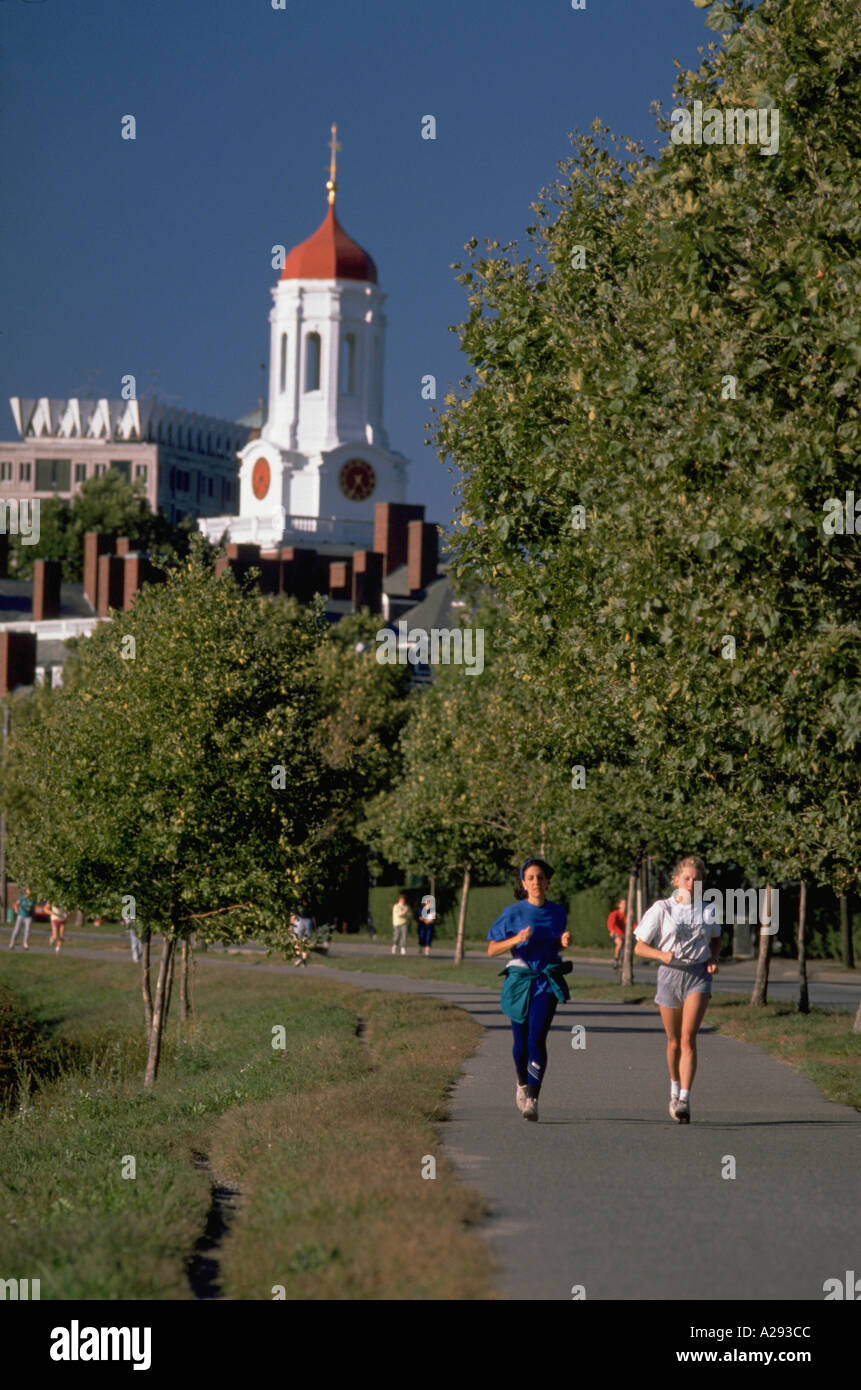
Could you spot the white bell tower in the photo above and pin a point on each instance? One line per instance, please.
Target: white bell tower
(322, 460)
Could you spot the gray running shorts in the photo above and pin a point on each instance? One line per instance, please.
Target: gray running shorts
(675, 983)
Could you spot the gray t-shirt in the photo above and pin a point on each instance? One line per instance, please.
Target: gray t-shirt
(681, 928)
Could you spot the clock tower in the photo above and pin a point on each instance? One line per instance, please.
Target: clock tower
(322, 460)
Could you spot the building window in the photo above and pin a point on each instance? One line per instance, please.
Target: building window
(25, 472)
(99, 470)
(210, 487)
(282, 373)
(170, 434)
(5, 472)
(140, 471)
(226, 490)
(348, 365)
(312, 362)
(53, 475)
(122, 466)
(80, 472)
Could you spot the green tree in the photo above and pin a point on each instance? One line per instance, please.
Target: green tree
(646, 444)
(178, 767)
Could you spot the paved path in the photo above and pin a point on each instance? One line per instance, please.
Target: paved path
(608, 1193)
(829, 985)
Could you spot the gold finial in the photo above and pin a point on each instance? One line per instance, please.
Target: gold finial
(331, 184)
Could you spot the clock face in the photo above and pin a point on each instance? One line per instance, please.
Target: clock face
(357, 480)
(260, 478)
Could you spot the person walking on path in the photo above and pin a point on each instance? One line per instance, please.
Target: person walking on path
(616, 924)
(303, 930)
(23, 906)
(687, 944)
(427, 917)
(533, 930)
(401, 915)
(58, 925)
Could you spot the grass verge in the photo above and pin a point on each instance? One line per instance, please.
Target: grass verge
(325, 1139)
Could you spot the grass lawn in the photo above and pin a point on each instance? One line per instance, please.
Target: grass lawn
(325, 1139)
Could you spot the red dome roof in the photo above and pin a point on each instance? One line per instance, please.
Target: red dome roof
(329, 255)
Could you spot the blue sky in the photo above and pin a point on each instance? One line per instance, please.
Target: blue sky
(154, 255)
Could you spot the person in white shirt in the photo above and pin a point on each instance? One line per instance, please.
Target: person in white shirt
(684, 937)
(401, 915)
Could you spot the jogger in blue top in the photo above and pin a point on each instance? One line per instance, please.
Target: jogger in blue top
(533, 930)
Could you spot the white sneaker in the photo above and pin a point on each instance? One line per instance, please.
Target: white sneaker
(530, 1109)
(394, 950)
(520, 1097)
(674, 1100)
(403, 950)
(683, 1112)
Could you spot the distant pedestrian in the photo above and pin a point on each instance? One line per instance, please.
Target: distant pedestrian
(23, 906)
(372, 931)
(134, 942)
(616, 924)
(401, 915)
(58, 925)
(533, 930)
(687, 944)
(427, 918)
(303, 930)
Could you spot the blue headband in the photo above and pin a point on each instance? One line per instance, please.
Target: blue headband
(542, 863)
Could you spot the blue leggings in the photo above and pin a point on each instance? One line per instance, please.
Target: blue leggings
(530, 1042)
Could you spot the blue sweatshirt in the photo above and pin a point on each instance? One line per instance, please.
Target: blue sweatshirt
(547, 923)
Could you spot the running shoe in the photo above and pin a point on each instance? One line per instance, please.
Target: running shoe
(674, 1101)
(683, 1112)
(520, 1097)
(530, 1109)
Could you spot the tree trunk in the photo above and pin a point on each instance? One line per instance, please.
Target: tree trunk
(169, 992)
(847, 946)
(146, 987)
(763, 960)
(183, 981)
(461, 921)
(803, 997)
(159, 1013)
(628, 952)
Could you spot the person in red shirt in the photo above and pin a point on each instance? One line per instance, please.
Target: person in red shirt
(616, 927)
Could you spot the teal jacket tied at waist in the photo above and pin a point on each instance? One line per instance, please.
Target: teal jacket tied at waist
(519, 981)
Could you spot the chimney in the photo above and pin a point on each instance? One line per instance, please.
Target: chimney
(47, 575)
(111, 583)
(367, 580)
(124, 545)
(96, 544)
(17, 660)
(299, 572)
(341, 579)
(138, 570)
(239, 559)
(390, 531)
(422, 555)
